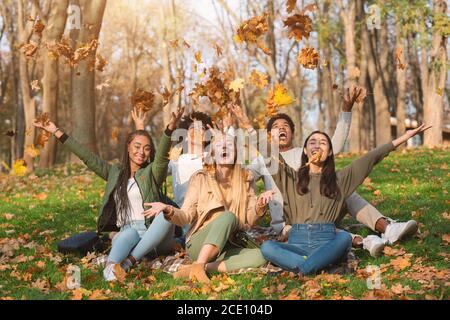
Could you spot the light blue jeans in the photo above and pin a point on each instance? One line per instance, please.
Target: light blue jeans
(136, 240)
(310, 248)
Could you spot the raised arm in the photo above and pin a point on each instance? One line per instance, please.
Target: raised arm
(345, 119)
(354, 174)
(159, 165)
(90, 159)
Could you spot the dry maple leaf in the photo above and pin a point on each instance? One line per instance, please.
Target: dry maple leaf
(258, 79)
(237, 84)
(84, 51)
(142, 99)
(299, 25)
(315, 158)
(78, 293)
(166, 95)
(173, 43)
(252, 29)
(119, 273)
(400, 263)
(42, 138)
(32, 151)
(277, 97)
(38, 28)
(29, 49)
(308, 58)
(290, 5)
(43, 119)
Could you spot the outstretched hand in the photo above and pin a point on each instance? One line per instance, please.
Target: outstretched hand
(350, 99)
(175, 117)
(240, 115)
(139, 118)
(49, 127)
(155, 209)
(409, 134)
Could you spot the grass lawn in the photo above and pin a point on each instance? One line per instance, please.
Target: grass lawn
(38, 210)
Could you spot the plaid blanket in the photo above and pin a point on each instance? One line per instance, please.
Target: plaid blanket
(171, 264)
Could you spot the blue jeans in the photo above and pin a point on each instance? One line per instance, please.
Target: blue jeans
(136, 240)
(310, 248)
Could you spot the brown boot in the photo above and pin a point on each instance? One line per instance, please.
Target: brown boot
(183, 272)
(198, 273)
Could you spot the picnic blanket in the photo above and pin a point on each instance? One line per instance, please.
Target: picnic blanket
(171, 264)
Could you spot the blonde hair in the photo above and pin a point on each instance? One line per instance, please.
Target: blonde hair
(239, 190)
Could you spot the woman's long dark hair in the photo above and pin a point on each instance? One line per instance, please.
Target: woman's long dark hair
(328, 180)
(118, 201)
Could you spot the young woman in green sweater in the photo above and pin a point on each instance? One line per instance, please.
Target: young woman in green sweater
(314, 196)
(128, 185)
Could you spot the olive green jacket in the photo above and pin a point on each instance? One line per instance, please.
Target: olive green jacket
(149, 186)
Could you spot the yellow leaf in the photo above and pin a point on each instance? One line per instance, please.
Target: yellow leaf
(32, 151)
(78, 293)
(19, 168)
(175, 153)
(281, 96)
(237, 84)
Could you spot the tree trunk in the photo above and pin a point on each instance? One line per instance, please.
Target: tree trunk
(401, 86)
(52, 34)
(434, 74)
(29, 103)
(83, 75)
(381, 103)
(348, 16)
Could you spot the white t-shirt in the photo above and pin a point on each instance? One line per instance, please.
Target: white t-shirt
(182, 169)
(136, 203)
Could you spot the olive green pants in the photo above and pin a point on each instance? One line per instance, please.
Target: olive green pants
(217, 233)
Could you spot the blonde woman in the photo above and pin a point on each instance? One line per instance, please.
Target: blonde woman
(220, 201)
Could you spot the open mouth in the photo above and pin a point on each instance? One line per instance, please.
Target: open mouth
(224, 154)
(282, 135)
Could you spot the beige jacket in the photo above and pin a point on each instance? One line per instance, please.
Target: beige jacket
(201, 200)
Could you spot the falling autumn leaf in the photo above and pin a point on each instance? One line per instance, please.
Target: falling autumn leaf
(32, 151)
(186, 45)
(198, 57)
(252, 29)
(237, 84)
(354, 72)
(290, 5)
(299, 26)
(38, 28)
(29, 49)
(276, 98)
(310, 7)
(258, 79)
(35, 85)
(10, 133)
(100, 63)
(42, 138)
(19, 168)
(218, 50)
(143, 100)
(308, 58)
(166, 95)
(173, 43)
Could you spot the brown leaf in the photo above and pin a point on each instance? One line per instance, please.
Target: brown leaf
(115, 134)
(258, 79)
(400, 263)
(293, 295)
(38, 28)
(308, 58)
(250, 30)
(198, 57)
(299, 25)
(391, 252)
(290, 5)
(42, 138)
(29, 49)
(100, 63)
(78, 293)
(119, 273)
(32, 151)
(142, 99)
(446, 238)
(218, 50)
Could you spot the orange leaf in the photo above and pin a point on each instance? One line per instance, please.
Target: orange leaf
(308, 58)
(299, 25)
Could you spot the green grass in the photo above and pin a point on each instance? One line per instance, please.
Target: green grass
(52, 204)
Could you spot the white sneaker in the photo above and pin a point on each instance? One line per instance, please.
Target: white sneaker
(108, 272)
(396, 231)
(126, 264)
(374, 244)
